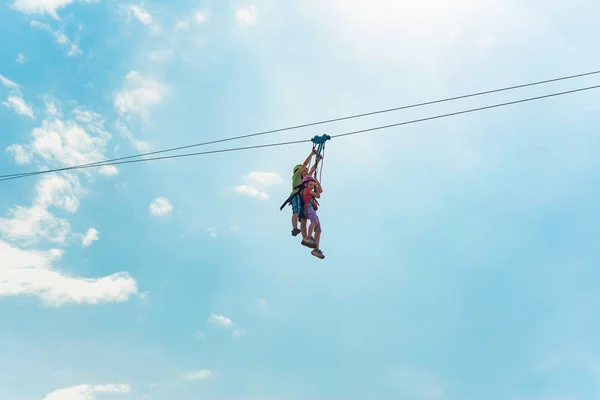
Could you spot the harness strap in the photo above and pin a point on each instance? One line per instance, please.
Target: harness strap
(322, 162)
(289, 199)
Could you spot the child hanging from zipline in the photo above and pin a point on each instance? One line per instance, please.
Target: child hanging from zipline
(310, 193)
(300, 171)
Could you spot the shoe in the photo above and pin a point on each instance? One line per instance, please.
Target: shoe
(318, 254)
(309, 242)
(295, 231)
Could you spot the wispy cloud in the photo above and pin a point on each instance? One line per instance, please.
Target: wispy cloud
(139, 13)
(221, 321)
(249, 191)
(200, 375)
(139, 145)
(264, 178)
(108, 170)
(8, 83)
(18, 105)
(66, 142)
(142, 15)
(21, 58)
(20, 155)
(59, 37)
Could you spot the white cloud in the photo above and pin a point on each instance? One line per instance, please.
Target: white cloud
(90, 236)
(87, 392)
(8, 83)
(29, 225)
(264, 178)
(49, 7)
(143, 16)
(221, 321)
(260, 179)
(58, 191)
(138, 95)
(108, 170)
(74, 50)
(160, 207)
(249, 191)
(59, 37)
(246, 16)
(86, 116)
(239, 332)
(17, 103)
(30, 273)
(198, 375)
(52, 111)
(65, 142)
(21, 58)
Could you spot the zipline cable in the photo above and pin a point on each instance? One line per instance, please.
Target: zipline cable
(308, 140)
(109, 161)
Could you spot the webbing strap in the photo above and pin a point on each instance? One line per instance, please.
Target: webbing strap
(322, 161)
(320, 141)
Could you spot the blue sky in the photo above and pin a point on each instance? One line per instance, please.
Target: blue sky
(460, 253)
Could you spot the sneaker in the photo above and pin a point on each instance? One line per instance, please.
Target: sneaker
(318, 254)
(309, 242)
(295, 231)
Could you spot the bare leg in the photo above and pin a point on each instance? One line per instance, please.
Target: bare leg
(317, 238)
(295, 220)
(311, 228)
(303, 228)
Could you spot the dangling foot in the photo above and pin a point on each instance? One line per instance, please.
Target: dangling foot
(309, 242)
(318, 254)
(295, 231)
